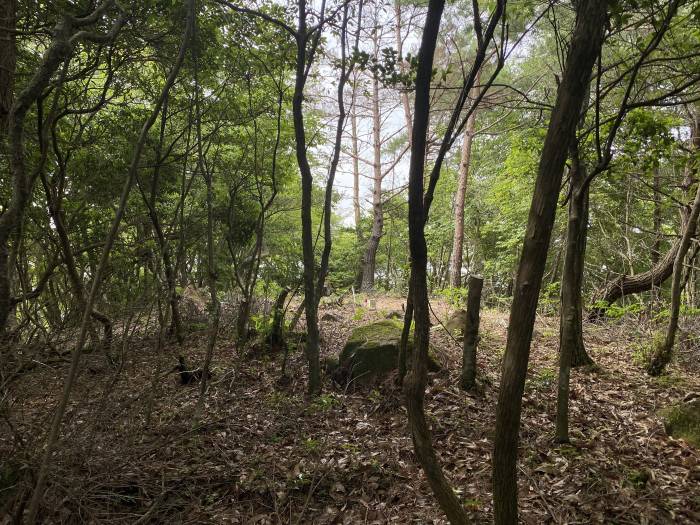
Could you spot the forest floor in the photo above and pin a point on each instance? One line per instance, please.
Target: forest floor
(260, 452)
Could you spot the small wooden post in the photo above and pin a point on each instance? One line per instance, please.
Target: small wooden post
(471, 333)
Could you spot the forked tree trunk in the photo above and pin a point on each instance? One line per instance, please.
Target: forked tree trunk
(591, 17)
(471, 333)
(463, 177)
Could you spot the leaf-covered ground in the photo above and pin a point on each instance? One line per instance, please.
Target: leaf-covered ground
(260, 452)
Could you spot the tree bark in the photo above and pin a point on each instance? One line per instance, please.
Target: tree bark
(416, 379)
(307, 239)
(8, 61)
(356, 186)
(571, 324)
(463, 177)
(471, 333)
(163, 245)
(370, 258)
(662, 354)
(585, 46)
(572, 350)
(405, 103)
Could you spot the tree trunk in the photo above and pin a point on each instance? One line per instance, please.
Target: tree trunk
(356, 185)
(416, 379)
(405, 334)
(471, 333)
(405, 103)
(572, 350)
(641, 282)
(571, 324)
(307, 238)
(369, 261)
(276, 337)
(8, 60)
(584, 48)
(207, 173)
(463, 177)
(662, 354)
(163, 245)
(56, 213)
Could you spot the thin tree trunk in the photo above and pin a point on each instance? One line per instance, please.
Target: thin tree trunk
(356, 185)
(416, 379)
(60, 410)
(8, 62)
(471, 333)
(59, 51)
(463, 177)
(370, 258)
(591, 16)
(212, 274)
(307, 239)
(163, 245)
(56, 213)
(335, 157)
(572, 350)
(408, 316)
(405, 103)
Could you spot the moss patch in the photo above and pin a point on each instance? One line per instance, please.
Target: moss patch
(683, 421)
(372, 351)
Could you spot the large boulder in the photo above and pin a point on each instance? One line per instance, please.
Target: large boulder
(683, 421)
(372, 352)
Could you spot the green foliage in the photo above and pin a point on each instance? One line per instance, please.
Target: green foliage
(456, 297)
(359, 313)
(324, 403)
(642, 352)
(617, 311)
(543, 379)
(683, 421)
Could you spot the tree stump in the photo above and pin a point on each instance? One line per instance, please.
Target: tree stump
(471, 333)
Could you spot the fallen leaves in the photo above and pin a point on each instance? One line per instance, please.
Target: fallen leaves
(265, 454)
